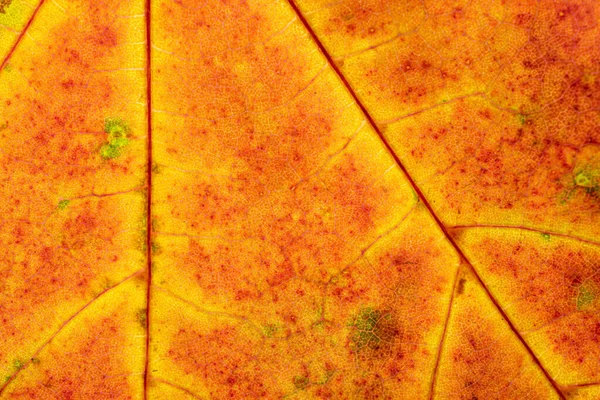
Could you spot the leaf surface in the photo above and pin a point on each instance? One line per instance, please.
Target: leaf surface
(299, 199)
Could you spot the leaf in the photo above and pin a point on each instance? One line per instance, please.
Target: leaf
(299, 199)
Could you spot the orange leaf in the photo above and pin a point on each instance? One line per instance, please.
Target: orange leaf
(300, 199)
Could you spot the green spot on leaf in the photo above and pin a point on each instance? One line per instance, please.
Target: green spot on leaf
(371, 328)
(415, 195)
(63, 204)
(584, 179)
(141, 316)
(366, 325)
(115, 127)
(586, 297)
(271, 330)
(367, 319)
(546, 236)
(107, 151)
(301, 382)
(326, 377)
(117, 131)
(18, 364)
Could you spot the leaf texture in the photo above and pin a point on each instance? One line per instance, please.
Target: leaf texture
(300, 199)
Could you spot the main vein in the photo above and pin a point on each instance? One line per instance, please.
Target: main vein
(149, 193)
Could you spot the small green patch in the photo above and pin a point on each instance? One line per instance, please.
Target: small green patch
(115, 127)
(63, 204)
(301, 382)
(141, 316)
(585, 297)
(546, 236)
(364, 339)
(155, 224)
(584, 179)
(18, 364)
(588, 179)
(142, 240)
(109, 151)
(367, 319)
(522, 119)
(270, 330)
(155, 248)
(326, 377)
(156, 168)
(415, 195)
(118, 132)
(371, 328)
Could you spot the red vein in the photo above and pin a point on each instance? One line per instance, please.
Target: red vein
(200, 309)
(149, 194)
(100, 195)
(581, 385)
(524, 228)
(432, 107)
(443, 339)
(176, 386)
(20, 37)
(419, 192)
(61, 327)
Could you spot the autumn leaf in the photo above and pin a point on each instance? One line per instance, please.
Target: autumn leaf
(300, 199)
